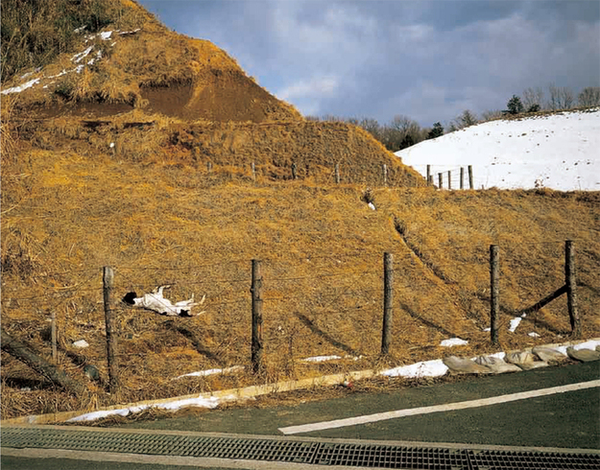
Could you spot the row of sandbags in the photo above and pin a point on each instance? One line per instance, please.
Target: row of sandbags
(539, 356)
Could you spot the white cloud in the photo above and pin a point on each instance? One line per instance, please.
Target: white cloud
(308, 93)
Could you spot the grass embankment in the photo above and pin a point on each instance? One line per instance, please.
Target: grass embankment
(65, 216)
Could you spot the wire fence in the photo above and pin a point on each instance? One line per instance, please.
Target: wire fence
(310, 306)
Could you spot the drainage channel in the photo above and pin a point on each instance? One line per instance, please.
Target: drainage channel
(294, 451)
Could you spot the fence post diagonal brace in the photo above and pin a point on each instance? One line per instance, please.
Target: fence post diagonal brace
(24, 354)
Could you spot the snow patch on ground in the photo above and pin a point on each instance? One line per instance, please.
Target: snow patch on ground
(558, 151)
(175, 405)
(20, 88)
(448, 343)
(204, 373)
(587, 345)
(320, 358)
(514, 323)
(433, 368)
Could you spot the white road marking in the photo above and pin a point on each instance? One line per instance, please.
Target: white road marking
(340, 423)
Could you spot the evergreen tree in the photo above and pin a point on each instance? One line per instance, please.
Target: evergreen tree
(515, 106)
(436, 131)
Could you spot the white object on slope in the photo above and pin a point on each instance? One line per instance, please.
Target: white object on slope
(514, 323)
(448, 343)
(371, 205)
(533, 334)
(78, 57)
(20, 88)
(82, 343)
(557, 151)
(433, 368)
(320, 358)
(204, 373)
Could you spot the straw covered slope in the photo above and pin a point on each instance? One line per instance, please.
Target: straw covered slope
(133, 61)
(119, 177)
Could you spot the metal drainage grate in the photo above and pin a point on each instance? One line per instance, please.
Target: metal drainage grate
(305, 452)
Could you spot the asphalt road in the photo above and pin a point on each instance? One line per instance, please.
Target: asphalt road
(562, 420)
(570, 420)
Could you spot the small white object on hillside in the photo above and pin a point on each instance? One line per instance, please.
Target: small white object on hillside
(533, 334)
(20, 88)
(514, 323)
(372, 206)
(320, 358)
(204, 373)
(82, 343)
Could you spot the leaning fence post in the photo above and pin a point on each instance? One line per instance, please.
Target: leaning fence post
(470, 168)
(257, 322)
(388, 294)
(337, 173)
(462, 177)
(294, 171)
(111, 339)
(208, 167)
(495, 291)
(571, 284)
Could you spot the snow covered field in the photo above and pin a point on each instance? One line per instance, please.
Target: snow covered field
(560, 151)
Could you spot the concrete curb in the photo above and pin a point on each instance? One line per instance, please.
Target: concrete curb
(236, 394)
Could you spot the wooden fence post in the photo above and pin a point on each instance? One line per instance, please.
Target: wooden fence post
(449, 179)
(571, 284)
(111, 338)
(257, 322)
(495, 292)
(430, 180)
(384, 174)
(388, 295)
(429, 177)
(337, 173)
(208, 167)
(471, 177)
(440, 185)
(462, 177)
(53, 337)
(253, 172)
(294, 171)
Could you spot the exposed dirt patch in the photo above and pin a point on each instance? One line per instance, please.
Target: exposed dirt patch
(218, 96)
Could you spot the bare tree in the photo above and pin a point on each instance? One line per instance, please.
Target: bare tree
(465, 119)
(531, 97)
(589, 96)
(560, 97)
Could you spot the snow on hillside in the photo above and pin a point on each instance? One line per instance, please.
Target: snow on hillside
(560, 151)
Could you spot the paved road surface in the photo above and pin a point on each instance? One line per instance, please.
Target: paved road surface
(563, 420)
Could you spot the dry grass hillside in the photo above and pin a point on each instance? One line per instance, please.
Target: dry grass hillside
(118, 179)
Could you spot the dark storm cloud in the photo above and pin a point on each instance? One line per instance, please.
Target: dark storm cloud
(427, 60)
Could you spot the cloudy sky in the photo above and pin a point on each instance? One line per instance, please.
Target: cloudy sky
(428, 60)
